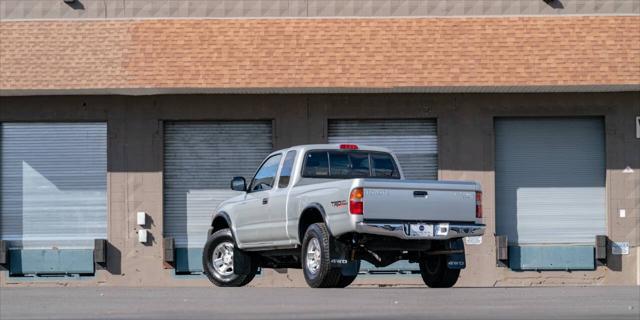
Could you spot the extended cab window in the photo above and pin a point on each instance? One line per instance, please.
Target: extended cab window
(266, 174)
(341, 164)
(349, 164)
(287, 167)
(384, 166)
(316, 164)
(359, 164)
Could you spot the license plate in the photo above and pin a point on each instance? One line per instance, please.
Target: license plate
(421, 230)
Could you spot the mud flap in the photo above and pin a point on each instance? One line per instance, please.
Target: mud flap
(456, 260)
(241, 262)
(341, 258)
(350, 269)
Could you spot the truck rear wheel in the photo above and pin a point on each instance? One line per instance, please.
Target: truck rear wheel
(316, 258)
(435, 272)
(217, 261)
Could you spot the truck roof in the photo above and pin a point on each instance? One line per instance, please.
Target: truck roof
(333, 146)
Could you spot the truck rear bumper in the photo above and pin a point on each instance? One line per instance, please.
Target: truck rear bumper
(442, 231)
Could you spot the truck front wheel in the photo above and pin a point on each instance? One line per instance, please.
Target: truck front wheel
(217, 261)
(316, 258)
(435, 272)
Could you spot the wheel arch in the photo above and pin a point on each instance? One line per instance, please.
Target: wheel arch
(313, 213)
(220, 221)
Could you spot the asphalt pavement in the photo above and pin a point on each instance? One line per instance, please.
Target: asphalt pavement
(302, 303)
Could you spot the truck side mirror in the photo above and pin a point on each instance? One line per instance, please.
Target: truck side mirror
(238, 184)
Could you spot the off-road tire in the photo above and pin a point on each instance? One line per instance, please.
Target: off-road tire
(233, 280)
(435, 272)
(325, 276)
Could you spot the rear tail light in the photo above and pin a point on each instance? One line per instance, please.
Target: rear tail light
(349, 146)
(479, 205)
(356, 206)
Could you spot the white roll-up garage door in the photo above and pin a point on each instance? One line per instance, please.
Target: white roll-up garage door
(54, 182)
(414, 141)
(200, 158)
(53, 191)
(550, 181)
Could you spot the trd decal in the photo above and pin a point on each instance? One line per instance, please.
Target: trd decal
(339, 203)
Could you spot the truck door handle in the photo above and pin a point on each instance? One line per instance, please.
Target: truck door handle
(265, 200)
(420, 193)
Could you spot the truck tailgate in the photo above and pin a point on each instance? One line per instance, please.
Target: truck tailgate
(419, 200)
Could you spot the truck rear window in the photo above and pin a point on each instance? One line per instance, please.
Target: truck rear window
(345, 164)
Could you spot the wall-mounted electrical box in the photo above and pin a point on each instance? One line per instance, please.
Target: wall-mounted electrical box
(141, 218)
(142, 236)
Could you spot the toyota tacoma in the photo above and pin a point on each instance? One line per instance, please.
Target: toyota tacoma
(324, 208)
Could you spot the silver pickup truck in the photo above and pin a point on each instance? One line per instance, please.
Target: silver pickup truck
(324, 208)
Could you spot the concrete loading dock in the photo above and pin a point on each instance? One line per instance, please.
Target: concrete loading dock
(136, 171)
